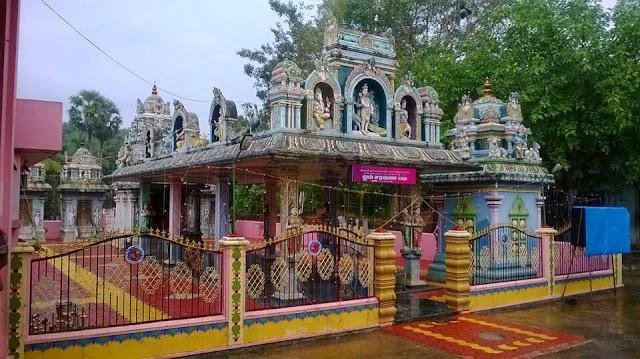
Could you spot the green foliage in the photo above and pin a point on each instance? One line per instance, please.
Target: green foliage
(95, 121)
(249, 199)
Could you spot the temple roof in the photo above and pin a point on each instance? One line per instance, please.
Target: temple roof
(292, 147)
(83, 157)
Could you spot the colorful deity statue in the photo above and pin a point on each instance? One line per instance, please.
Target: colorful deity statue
(365, 109)
(513, 108)
(407, 229)
(495, 150)
(405, 127)
(321, 109)
(520, 143)
(417, 225)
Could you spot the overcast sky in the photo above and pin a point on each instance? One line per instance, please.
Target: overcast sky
(187, 46)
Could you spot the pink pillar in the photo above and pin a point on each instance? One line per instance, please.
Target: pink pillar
(175, 204)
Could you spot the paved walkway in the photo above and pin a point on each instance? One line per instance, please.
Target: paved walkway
(611, 324)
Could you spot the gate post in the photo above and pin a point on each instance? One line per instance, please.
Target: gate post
(547, 236)
(19, 282)
(234, 257)
(457, 275)
(385, 275)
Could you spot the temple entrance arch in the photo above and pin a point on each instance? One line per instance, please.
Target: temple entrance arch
(408, 112)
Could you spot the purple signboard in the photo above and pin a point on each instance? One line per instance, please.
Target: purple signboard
(383, 174)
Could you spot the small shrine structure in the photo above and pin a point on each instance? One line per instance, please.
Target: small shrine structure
(506, 189)
(82, 195)
(32, 198)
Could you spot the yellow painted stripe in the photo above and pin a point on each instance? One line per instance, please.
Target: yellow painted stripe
(129, 309)
(510, 329)
(521, 344)
(506, 347)
(460, 342)
(534, 340)
(422, 325)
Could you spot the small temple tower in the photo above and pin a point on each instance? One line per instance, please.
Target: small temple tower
(285, 96)
(82, 194)
(506, 189)
(32, 204)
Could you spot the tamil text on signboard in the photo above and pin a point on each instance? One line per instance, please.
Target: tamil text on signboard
(383, 174)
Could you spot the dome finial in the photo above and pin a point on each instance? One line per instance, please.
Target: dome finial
(486, 88)
(154, 89)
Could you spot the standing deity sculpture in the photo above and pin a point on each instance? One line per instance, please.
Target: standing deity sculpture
(513, 108)
(96, 218)
(407, 230)
(495, 150)
(145, 213)
(520, 143)
(365, 109)
(321, 109)
(417, 226)
(405, 127)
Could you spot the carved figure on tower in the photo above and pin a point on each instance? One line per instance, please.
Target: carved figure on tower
(405, 127)
(513, 108)
(321, 109)
(365, 109)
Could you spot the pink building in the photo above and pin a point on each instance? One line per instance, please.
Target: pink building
(30, 131)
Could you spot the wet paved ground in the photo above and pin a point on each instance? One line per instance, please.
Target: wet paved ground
(611, 323)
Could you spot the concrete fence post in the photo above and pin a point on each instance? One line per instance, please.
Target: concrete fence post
(234, 261)
(547, 236)
(457, 275)
(385, 275)
(19, 282)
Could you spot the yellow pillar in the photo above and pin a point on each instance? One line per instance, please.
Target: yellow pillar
(234, 250)
(19, 280)
(548, 256)
(385, 275)
(457, 287)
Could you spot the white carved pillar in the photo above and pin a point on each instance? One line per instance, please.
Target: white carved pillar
(539, 204)
(494, 200)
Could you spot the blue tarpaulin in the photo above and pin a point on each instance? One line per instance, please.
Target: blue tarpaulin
(607, 230)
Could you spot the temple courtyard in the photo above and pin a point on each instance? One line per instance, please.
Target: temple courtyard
(608, 325)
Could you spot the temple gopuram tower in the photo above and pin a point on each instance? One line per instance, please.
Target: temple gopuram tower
(82, 194)
(506, 189)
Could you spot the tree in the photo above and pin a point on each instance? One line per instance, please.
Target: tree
(95, 121)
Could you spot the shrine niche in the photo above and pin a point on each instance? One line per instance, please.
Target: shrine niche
(408, 112)
(323, 99)
(369, 102)
(186, 129)
(223, 116)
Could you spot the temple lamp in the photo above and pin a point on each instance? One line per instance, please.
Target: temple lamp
(246, 140)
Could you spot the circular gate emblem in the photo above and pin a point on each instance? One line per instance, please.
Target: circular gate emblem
(315, 246)
(134, 254)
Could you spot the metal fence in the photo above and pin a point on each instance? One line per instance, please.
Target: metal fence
(124, 279)
(569, 259)
(316, 266)
(505, 254)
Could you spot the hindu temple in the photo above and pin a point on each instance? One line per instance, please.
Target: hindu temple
(82, 195)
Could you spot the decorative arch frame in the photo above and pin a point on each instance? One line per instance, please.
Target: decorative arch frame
(518, 214)
(179, 113)
(465, 214)
(409, 91)
(314, 79)
(356, 76)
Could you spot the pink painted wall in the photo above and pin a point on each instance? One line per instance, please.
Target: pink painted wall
(38, 117)
(252, 230)
(427, 244)
(9, 29)
(52, 230)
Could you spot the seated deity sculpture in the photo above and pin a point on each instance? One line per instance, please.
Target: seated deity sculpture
(405, 127)
(533, 153)
(495, 150)
(461, 143)
(513, 108)
(520, 144)
(321, 109)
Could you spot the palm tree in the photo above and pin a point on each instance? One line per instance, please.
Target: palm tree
(95, 115)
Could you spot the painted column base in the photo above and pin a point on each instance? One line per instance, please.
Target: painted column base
(437, 269)
(412, 270)
(69, 235)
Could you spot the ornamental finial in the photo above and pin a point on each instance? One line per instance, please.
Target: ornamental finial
(486, 88)
(154, 89)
